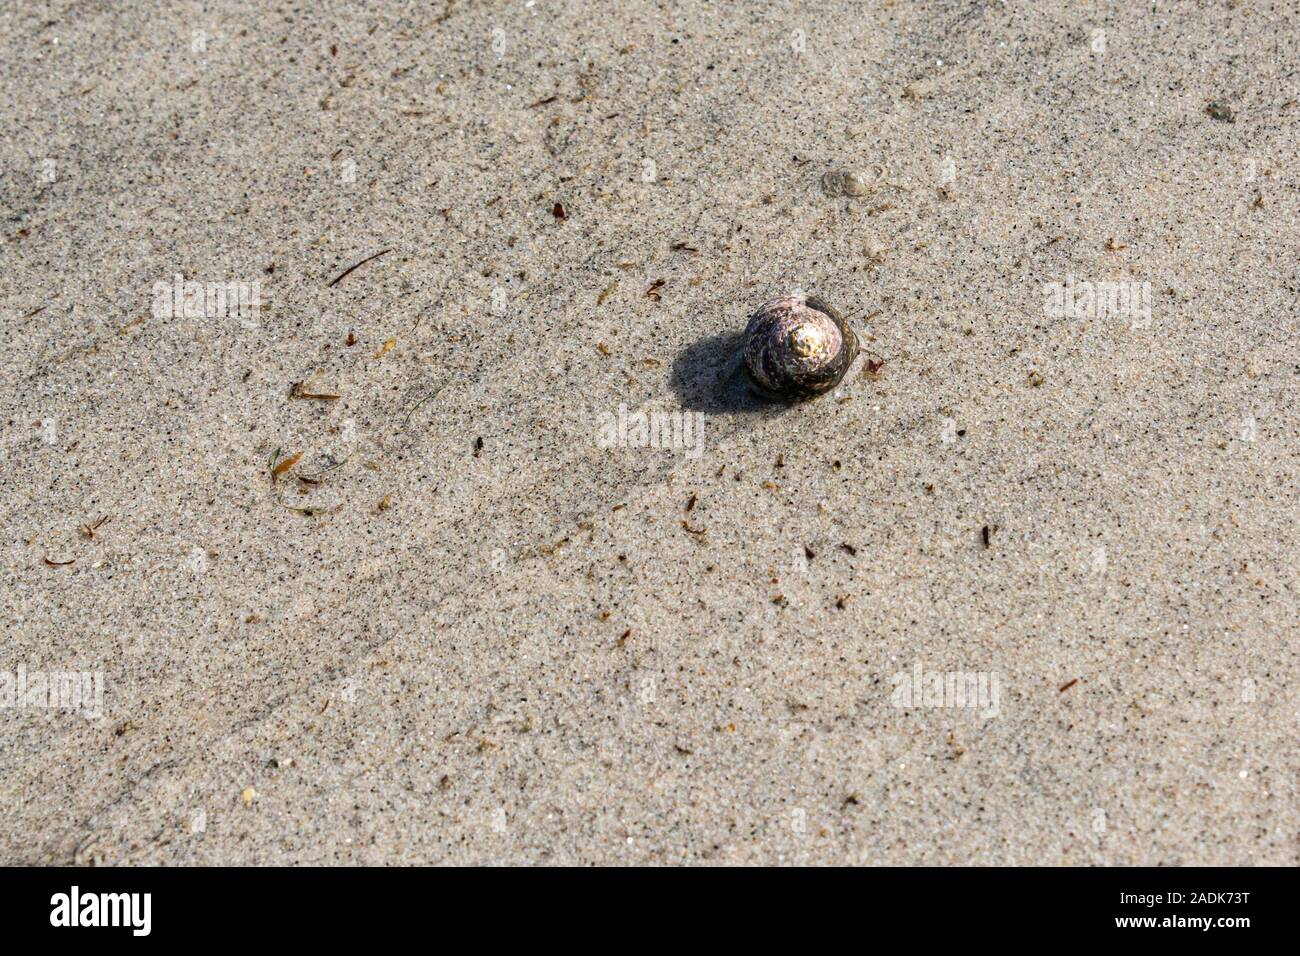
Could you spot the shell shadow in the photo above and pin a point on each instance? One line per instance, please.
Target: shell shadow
(707, 377)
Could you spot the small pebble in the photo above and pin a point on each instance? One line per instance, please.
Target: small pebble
(1220, 112)
(847, 182)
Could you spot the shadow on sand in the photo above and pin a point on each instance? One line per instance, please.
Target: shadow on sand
(707, 377)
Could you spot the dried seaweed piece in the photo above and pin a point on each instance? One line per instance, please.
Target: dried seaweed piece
(299, 391)
(316, 477)
(285, 465)
(411, 410)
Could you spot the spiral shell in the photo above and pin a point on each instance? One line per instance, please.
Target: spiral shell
(797, 347)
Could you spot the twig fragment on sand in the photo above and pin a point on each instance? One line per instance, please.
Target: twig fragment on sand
(353, 268)
(88, 530)
(299, 391)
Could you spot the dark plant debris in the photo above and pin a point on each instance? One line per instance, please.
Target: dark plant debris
(88, 530)
(298, 390)
(316, 477)
(410, 411)
(353, 268)
(312, 510)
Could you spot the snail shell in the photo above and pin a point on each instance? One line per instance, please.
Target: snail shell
(797, 347)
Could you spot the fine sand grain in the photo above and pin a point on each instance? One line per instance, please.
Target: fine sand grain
(380, 579)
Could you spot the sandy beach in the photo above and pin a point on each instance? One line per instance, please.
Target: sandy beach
(378, 488)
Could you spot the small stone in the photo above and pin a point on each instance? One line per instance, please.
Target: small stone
(248, 796)
(847, 182)
(1220, 112)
